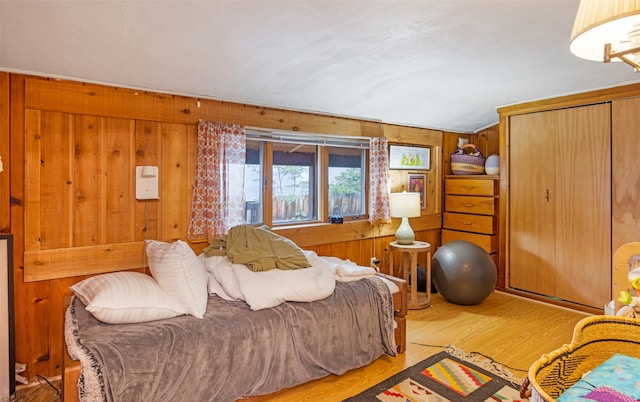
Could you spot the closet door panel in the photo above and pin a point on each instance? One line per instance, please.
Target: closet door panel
(625, 131)
(582, 203)
(531, 231)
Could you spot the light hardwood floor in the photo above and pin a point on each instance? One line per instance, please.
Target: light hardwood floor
(511, 330)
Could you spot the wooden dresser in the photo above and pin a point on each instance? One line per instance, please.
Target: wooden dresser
(471, 211)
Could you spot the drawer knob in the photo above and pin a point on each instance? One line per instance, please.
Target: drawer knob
(467, 223)
(468, 204)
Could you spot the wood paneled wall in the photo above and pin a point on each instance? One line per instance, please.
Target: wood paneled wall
(68, 190)
(4, 152)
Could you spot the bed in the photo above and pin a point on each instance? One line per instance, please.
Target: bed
(235, 348)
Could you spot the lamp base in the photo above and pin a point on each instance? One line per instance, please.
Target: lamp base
(404, 234)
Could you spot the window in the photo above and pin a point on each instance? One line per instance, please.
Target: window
(253, 183)
(346, 184)
(303, 179)
(293, 183)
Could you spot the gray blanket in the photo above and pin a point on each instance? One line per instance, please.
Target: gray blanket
(234, 351)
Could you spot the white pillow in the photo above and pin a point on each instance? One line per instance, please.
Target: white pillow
(180, 273)
(125, 297)
(214, 287)
(221, 270)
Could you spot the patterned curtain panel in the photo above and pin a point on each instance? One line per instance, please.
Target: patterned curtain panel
(218, 200)
(379, 181)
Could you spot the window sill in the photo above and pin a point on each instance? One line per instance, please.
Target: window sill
(347, 220)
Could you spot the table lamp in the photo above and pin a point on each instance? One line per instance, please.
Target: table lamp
(404, 205)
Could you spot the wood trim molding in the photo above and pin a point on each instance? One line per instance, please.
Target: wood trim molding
(582, 99)
(40, 265)
(78, 261)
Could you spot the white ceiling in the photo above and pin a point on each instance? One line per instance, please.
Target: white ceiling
(435, 64)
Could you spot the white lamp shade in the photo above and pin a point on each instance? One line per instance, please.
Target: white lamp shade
(404, 205)
(600, 22)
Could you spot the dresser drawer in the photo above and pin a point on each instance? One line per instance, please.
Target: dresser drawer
(471, 187)
(488, 242)
(471, 205)
(470, 223)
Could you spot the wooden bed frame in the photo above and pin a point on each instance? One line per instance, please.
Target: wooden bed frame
(71, 368)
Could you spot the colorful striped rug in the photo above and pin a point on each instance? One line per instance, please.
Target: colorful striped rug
(447, 376)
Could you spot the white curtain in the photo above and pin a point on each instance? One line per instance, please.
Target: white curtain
(218, 188)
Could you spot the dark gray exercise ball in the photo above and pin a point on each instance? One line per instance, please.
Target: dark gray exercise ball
(463, 272)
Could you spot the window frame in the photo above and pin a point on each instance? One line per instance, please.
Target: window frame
(364, 184)
(322, 143)
(313, 190)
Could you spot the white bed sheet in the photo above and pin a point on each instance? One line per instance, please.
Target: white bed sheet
(270, 288)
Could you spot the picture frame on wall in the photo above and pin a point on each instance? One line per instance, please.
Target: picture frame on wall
(409, 157)
(417, 183)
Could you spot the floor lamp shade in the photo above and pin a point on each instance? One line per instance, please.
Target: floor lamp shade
(404, 205)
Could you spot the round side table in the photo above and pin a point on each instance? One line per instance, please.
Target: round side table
(410, 261)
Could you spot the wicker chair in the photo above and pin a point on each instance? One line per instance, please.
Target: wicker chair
(595, 339)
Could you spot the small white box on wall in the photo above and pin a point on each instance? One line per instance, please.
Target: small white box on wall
(146, 182)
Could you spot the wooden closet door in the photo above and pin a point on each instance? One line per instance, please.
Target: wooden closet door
(625, 132)
(531, 177)
(560, 204)
(582, 202)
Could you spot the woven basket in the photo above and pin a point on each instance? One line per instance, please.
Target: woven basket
(595, 339)
(467, 159)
